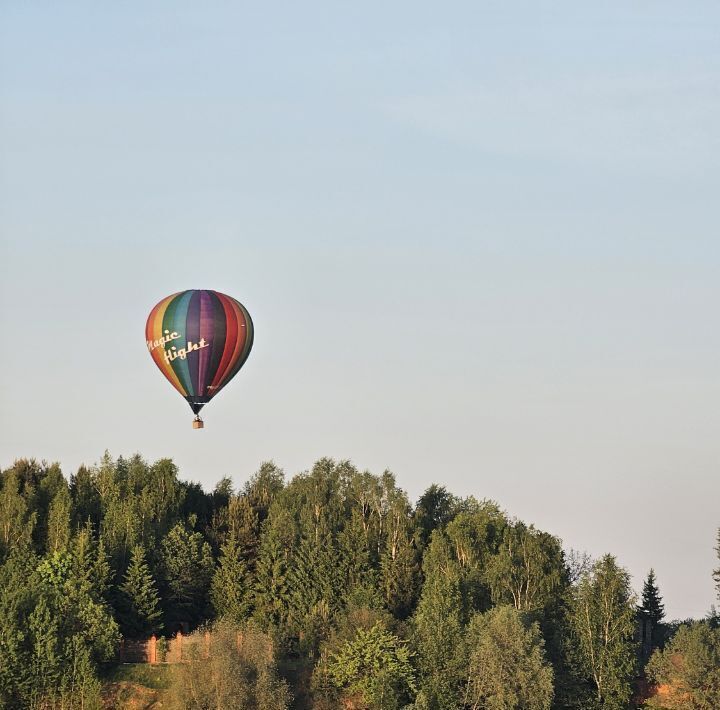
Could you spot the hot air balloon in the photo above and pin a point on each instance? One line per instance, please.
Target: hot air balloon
(199, 339)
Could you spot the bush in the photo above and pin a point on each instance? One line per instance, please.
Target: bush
(687, 671)
(239, 673)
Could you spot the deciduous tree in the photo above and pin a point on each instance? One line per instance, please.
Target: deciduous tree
(506, 665)
(688, 670)
(376, 665)
(603, 624)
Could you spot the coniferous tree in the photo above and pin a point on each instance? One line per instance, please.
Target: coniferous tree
(231, 590)
(272, 584)
(435, 509)
(186, 565)
(244, 526)
(18, 596)
(91, 566)
(354, 557)
(17, 519)
(716, 573)
(51, 483)
(318, 560)
(69, 631)
(652, 610)
(652, 605)
(85, 496)
(140, 602)
(437, 627)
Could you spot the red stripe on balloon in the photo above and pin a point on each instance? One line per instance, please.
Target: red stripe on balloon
(239, 343)
(231, 329)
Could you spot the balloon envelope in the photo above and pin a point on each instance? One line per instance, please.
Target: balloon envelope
(199, 339)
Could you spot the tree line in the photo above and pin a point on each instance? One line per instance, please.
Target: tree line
(365, 599)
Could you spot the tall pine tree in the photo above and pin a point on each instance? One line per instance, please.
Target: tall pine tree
(651, 613)
(652, 604)
(716, 573)
(231, 590)
(140, 601)
(437, 627)
(187, 565)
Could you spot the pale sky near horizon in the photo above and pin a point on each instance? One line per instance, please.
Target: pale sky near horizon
(478, 241)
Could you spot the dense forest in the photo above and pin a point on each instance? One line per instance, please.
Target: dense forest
(351, 596)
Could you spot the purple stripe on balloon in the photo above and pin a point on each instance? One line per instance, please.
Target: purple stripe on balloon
(192, 334)
(207, 331)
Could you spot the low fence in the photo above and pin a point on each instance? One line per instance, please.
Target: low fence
(179, 648)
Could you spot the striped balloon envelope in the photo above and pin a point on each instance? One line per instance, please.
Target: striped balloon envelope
(199, 339)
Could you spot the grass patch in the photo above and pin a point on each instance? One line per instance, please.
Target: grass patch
(157, 677)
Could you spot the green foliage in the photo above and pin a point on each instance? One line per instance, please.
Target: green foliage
(263, 487)
(435, 509)
(91, 566)
(399, 561)
(475, 536)
(86, 498)
(140, 613)
(231, 590)
(240, 673)
(603, 625)
(272, 590)
(527, 568)
(55, 630)
(716, 573)
(437, 627)
(58, 525)
(376, 665)
(688, 669)
(506, 668)
(363, 611)
(651, 614)
(17, 520)
(186, 565)
(314, 590)
(652, 606)
(17, 600)
(329, 566)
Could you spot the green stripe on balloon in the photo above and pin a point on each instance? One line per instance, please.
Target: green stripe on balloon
(175, 320)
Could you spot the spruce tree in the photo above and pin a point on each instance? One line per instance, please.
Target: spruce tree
(230, 589)
(652, 605)
(437, 627)
(716, 573)
(187, 566)
(140, 614)
(272, 586)
(653, 611)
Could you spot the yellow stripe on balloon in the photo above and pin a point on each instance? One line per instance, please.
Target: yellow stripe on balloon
(155, 333)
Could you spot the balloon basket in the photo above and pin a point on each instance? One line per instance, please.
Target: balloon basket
(198, 423)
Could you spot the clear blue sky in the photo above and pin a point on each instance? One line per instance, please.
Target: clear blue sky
(479, 242)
